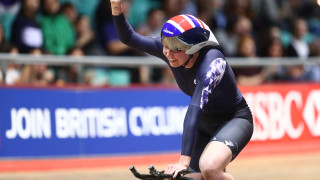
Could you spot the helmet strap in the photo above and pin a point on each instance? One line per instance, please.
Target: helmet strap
(187, 62)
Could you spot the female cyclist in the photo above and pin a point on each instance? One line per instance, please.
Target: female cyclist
(218, 123)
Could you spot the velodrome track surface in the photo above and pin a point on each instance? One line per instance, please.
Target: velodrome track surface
(255, 163)
(267, 167)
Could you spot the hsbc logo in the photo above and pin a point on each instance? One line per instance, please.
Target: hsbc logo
(278, 115)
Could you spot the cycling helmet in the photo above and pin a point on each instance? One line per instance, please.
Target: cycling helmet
(186, 32)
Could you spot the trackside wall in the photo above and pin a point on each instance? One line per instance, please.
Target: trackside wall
(42, 122)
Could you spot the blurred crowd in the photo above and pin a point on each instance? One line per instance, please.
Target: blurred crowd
(244, 28)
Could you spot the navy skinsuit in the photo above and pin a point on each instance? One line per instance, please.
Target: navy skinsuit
(217, 111)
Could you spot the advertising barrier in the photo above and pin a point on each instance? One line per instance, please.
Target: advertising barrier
(286, 118)
(77, 122)
(285, 112)
(42, 122)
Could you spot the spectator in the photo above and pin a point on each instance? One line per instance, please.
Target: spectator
(315, 48)
(292, 10)
(107, 31)
(274, 12)
(96, 76)
(266, 11)
(274, 49)
(211, 12)
(2, 35)
(8, 11)
(37, 74)
(299, 48)
(12, 72)
(248, 76)
(86, 37)
(171, 7)
(267, 35)
(167, 77)
(313, 20)
(240, 8)
(315, 52)
(68, 74)
(113, 46)
(139, 11)
(9, 6)
(175, 7)
(85, 7)
(237, 26)
(152, 28)
(26, 32)
(153, 25)
(58, 31)
(69, 11)
(2, 42)
(188, 7)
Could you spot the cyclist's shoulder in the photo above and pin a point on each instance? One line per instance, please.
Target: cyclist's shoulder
(211, 54)
(211, 60)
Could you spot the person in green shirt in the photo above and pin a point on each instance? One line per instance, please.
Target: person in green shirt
(58, 31)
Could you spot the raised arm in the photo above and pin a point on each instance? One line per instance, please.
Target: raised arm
(131, 38)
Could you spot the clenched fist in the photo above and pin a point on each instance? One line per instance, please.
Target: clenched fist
(116, 7)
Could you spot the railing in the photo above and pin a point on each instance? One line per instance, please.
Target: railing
(136, 61)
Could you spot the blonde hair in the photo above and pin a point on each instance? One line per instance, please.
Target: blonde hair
(174, 44)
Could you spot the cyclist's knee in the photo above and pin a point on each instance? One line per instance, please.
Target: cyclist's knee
(211, 169)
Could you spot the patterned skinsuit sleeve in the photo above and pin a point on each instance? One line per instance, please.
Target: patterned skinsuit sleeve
(207, 80)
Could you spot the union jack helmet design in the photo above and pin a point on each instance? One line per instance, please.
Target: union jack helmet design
(189, 30)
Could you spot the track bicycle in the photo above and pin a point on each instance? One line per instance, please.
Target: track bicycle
(159, 175)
